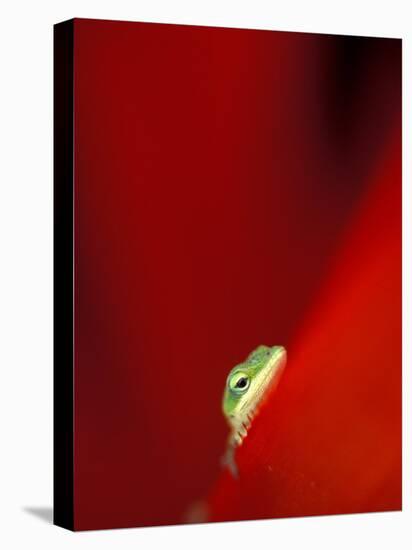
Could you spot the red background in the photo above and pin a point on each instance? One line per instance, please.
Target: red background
(219, 176)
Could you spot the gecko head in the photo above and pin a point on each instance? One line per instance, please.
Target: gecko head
(249, 382)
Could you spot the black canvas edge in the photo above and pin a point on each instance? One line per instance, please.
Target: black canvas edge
(63, 295)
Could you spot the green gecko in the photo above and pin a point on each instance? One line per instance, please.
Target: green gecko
(247, 387)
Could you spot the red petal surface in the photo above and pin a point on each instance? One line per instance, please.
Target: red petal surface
(329, 440)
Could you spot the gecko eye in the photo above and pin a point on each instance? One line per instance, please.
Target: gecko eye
(239, 382)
